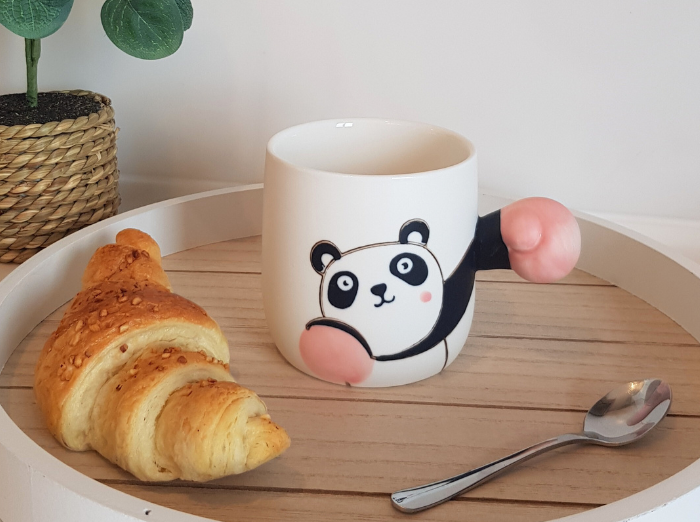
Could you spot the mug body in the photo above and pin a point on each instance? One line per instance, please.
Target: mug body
(365, 224)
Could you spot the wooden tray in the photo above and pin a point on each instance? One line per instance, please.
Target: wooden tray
(537, 357)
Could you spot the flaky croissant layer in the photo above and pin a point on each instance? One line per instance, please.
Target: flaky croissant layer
(174, 414)
(141, 375)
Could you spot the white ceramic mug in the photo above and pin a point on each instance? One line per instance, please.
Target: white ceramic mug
(369, 249)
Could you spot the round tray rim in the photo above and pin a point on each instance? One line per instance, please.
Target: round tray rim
(35, 486)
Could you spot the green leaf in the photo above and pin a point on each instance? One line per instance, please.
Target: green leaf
(186, 11)
(34, 19)
(147, 29)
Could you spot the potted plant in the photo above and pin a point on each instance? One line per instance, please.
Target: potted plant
(58, 166)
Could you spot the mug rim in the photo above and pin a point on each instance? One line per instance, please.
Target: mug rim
(291, 131)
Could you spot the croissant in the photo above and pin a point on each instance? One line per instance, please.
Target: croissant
(140, 374)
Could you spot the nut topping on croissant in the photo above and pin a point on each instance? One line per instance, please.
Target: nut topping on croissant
(141, 375)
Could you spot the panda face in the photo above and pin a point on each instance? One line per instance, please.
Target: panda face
(390, 293)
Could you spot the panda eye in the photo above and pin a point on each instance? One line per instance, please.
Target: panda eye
(345, 283)
(410, 268)
(342, 289)
(404, 265)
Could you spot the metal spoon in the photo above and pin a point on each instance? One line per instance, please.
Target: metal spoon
(624, 415)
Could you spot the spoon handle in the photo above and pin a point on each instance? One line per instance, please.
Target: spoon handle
(423, 497)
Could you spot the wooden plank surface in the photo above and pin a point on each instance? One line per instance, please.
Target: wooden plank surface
(273, 506)
(243, 256)
(366, 447)
(538, 356)
(504, 372)
(560, 312)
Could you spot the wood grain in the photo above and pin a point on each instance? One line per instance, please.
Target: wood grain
(538, 356)
(502, 372)
(354, 446)
(570, 312)
(243, 256)
(561, 312)
(250, 505)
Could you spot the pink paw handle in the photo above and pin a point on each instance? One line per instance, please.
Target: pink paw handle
(541, 236)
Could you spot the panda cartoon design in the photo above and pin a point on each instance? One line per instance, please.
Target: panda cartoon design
(385, 305)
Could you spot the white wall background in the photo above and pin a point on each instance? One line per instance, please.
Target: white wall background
(595, 103)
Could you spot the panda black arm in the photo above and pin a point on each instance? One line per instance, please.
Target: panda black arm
(490, 252)
(487, 252)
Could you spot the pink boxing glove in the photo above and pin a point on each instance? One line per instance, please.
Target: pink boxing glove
(542, 237)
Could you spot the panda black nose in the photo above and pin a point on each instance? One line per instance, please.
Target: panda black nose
(378, 290)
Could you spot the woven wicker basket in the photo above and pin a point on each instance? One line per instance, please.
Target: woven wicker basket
(56, 178)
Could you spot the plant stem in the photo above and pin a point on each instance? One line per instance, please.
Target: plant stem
(32, 52)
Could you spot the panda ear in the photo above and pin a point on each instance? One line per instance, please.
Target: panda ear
(321, 249)
(412, 228)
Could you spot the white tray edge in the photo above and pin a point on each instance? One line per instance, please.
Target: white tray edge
(36, 487)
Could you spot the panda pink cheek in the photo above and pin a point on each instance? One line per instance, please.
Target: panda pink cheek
(426, 297)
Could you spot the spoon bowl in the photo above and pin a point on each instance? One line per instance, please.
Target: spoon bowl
(624, 415)
(627, 413)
